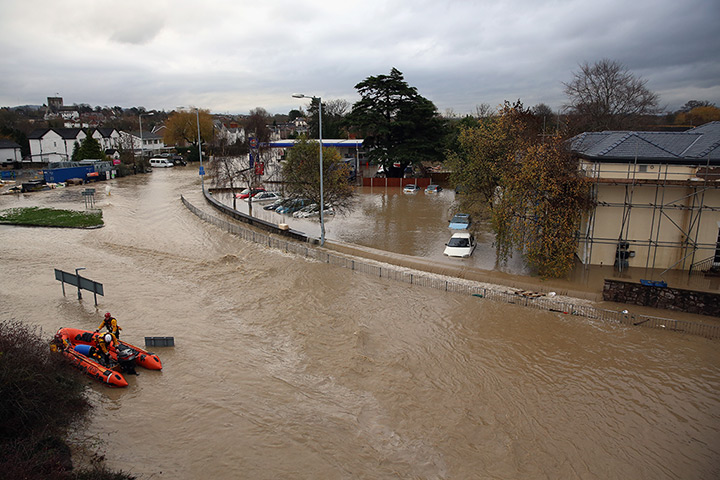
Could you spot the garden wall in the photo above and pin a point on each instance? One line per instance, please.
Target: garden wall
(690, 301)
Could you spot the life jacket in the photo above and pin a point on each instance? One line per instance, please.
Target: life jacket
(109, 324)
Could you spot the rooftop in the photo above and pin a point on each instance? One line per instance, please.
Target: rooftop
(700, 145)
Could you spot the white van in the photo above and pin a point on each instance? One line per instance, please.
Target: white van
(160, 162)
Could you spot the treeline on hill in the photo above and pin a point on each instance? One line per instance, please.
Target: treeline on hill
(600, 96)
(41, 399)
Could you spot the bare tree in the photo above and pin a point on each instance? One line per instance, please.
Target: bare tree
(542, 110)
(337, 107)
(484, 110)
(695, 104)
(334, 112)
(606, 95)
(257, 124)
(450, 113)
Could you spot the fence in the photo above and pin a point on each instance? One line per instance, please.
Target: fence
(449, 285)
(709, 265)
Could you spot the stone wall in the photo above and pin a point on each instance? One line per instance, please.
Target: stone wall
(690, 301)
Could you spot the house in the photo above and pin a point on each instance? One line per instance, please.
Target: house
(150, 142)
(54, 144)
(229, 132)
(9, 152)
(657, 198)
(108, 138)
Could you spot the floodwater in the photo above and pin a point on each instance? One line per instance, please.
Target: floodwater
(417, 224)
(390, 220)
(288, 368)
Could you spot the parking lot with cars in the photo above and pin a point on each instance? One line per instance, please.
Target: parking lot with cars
(388, 219)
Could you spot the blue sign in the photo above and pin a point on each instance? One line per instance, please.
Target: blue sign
(252, 160)
(202, 170)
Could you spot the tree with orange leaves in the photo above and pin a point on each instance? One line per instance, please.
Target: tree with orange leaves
(528, 185)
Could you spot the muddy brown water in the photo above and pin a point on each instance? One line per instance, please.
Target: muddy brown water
(417, 225)
(287, 368)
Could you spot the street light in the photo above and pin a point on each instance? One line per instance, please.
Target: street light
(322, 204)
(142, 146)
(202, 172)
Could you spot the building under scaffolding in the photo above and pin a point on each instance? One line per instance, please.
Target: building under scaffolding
(657, 197)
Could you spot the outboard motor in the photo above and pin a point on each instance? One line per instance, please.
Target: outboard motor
(126, 359)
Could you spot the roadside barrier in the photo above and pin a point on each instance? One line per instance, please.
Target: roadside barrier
(423, 279)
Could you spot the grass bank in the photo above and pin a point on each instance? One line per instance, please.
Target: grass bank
(50, 217)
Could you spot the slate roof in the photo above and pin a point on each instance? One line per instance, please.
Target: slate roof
(105, 132)
(147, 135)
(699, 145)
(66, 133)
(8, 144)
(38, 133)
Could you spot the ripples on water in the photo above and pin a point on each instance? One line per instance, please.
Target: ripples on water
(286, 368)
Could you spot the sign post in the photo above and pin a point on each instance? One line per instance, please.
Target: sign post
(80, 282)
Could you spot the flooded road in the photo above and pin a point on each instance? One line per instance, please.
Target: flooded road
(287, 368)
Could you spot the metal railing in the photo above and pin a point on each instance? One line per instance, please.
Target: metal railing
(705, 266)
(424, 279)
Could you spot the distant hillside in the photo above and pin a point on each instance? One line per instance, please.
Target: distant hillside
(27, 107)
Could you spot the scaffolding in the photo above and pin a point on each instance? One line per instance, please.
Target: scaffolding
(671, 192)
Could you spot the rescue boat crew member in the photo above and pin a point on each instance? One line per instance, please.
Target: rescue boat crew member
(102, 346)
(110, 323)
(59, 343)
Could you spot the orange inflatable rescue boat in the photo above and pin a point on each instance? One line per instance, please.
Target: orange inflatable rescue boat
(144, 358)
(88, 365)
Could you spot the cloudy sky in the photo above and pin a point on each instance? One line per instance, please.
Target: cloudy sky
(230, 56)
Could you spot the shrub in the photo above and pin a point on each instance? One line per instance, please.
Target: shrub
(41, 396)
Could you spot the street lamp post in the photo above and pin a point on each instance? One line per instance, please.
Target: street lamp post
(142, 146)
(202, 172)
(322, 204)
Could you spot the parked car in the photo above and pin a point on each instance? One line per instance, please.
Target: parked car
(160, 163)
(247, 192)
(460, 245)
(313, 210)
(411, 188)
(264, 197)
(306, 211)
(461, 221)
(292, 206)
(433, 189)
(276, 204)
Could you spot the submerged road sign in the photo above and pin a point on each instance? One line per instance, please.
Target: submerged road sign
(80, 282)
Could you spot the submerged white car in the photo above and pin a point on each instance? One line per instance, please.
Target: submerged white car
(313, 211)
(262, 197)
(460, 245)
